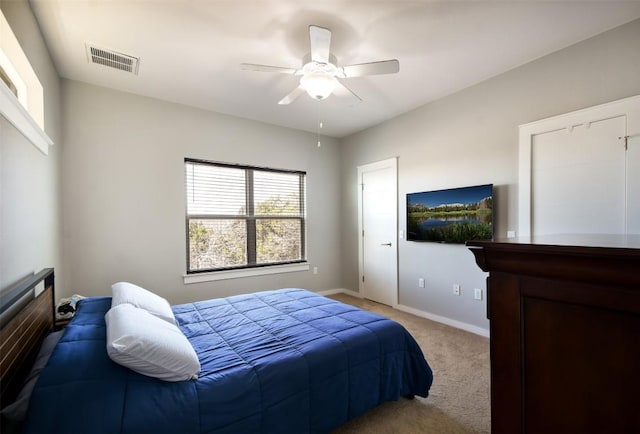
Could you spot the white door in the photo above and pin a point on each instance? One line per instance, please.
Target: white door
(580, 171)
(578, 179)
(632, 143)
(378, 229)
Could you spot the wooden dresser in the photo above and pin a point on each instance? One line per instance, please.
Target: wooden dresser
(564, 317)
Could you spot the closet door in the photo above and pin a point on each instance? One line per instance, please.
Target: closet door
(580, 172)
(633, 183)
(578, 178)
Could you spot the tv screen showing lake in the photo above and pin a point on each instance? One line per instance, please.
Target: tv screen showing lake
(451, 216)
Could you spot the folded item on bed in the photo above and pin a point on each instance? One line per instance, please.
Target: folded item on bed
(66, 307)
(286, 361)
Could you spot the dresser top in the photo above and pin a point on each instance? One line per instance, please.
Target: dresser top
(589, 258)
(567, 242)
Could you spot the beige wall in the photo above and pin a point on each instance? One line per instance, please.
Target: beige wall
(471, 138)
(124, 191)
(30, 215)
(122, 186)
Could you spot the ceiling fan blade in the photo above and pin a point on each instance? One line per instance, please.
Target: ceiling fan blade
(320, 40)
(342, 90)
(372, 68)
(293, 95)
(267, 68)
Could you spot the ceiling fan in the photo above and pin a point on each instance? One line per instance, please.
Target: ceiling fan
(320, 72)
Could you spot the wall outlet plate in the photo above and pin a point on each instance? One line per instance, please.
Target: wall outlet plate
(456, 289)
(477, 294)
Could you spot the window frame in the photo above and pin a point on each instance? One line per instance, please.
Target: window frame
(251, 268)
(21, 104)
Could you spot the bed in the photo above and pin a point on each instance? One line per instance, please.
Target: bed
(284, 361)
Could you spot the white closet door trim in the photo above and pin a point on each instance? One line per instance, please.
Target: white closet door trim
(628, 107)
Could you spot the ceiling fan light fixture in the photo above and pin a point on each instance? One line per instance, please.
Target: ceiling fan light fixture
(319, 85)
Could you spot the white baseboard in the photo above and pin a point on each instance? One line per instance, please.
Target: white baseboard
(444, 320)
(341, 291)
(417, 312)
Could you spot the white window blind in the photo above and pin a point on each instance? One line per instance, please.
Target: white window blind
(243, 217)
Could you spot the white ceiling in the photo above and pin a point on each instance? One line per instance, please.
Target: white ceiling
(190, 50)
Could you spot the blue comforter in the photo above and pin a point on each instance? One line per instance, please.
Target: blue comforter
(286, 361)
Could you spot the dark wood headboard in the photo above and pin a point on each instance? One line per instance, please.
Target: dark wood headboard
(27, 320)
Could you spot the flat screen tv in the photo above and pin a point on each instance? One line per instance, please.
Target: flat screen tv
(455, 215)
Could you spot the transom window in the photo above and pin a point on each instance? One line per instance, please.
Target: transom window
(242, 216)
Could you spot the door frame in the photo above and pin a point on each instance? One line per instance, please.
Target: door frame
(390, 163)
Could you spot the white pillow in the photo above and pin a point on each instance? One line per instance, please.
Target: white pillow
(125, 292)
(148, 345)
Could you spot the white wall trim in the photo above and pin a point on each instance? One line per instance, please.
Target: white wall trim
(247, 272)
(417, 312)
(341, 291)
(17, 115)
(444, 320)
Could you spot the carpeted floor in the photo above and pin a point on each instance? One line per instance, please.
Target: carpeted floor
(459, 398)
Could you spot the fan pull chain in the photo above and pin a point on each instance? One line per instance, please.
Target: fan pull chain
(319, 126)
(318, 133)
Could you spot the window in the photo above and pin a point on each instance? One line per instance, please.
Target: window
(8, 82)
(21, 94)
(243, 217)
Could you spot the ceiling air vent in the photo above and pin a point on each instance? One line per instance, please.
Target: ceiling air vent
(112, 59)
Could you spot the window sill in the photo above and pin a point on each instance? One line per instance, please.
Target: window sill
(18, 116)
(248, 272)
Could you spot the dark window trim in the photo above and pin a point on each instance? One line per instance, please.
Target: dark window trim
(243, 166)
(250, 218)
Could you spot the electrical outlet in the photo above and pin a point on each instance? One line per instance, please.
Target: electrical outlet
(456, 289)
(477, 294)
(315, 270)
(421, 283)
